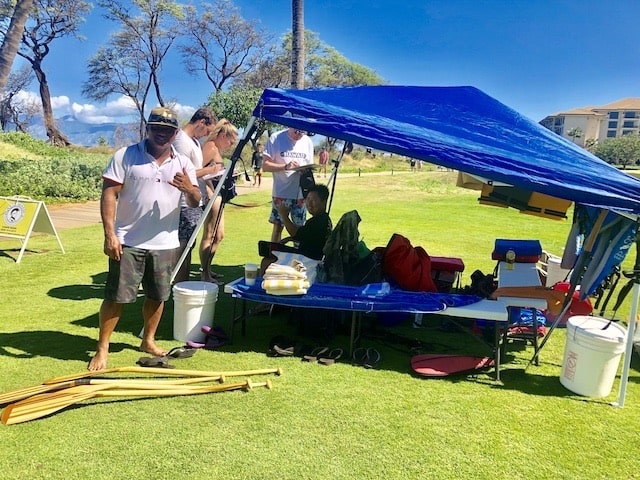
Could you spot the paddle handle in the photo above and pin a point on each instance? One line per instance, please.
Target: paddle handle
(164, 371)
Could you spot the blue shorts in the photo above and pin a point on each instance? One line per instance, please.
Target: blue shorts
(152, 268)
(298, 212)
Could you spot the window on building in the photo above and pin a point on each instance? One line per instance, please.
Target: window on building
(629, 124)
(613, 114)
(630, 114)
(628, 132)
(611, 134)
(559, 121)
(613, 124)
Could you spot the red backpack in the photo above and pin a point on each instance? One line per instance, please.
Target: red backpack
(408, 266)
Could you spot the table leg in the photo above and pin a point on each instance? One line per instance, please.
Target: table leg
(355, 331)
(496, 349)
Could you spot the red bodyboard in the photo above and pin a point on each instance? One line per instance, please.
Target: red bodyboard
(443, 365)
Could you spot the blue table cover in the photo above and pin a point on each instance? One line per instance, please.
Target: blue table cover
(344, 297)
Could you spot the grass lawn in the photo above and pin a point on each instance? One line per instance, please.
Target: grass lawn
(318, 422)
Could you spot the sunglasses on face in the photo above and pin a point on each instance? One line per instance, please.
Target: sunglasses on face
(299, 132)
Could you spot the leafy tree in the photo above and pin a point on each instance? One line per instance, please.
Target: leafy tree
(13, 37)
(220, 43)
(236, 105)
(590, 144)
(12, 110)
(334, 69)
(119, 68)
(131, 62)
(621, 151)
(574, 133)
(324, 67)
(50, 19)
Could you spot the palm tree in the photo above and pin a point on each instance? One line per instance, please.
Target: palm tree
(297, 51)
(12, 38)
(574, 133)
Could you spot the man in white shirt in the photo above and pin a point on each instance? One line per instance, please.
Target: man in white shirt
(285, 151)
(140, 210)
(187, 142)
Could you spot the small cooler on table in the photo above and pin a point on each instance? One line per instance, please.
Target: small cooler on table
(445, 272)
(527, 251)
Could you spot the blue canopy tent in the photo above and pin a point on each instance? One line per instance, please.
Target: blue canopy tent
(463, 129)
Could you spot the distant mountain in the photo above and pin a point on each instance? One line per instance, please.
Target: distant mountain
(89, 134)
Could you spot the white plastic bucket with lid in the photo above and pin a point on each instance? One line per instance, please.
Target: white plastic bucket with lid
(591, 355)
(194, 305)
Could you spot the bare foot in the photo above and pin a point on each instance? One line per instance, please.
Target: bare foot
(152, 349)
(98, 362)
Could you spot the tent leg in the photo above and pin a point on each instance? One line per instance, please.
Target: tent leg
(624, 378)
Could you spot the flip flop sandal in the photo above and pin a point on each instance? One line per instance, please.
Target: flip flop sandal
(215, 331)
(373, 358)
(315, 353)
(303, 350)
(359, 357)
(155, 362)
(181, 352)
(330, 357)
(211, 343)
(281, 346)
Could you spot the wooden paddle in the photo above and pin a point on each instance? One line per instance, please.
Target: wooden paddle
(23, 393)
(47, 404)
(164, 371)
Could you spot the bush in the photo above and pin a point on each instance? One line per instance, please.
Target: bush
(52, 174)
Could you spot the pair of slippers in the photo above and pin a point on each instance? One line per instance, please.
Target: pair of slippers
(162, 361)
(215, 337)
(366, 357)
(323, 355)
(282, 346)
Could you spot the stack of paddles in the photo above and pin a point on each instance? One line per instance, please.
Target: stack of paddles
(58, 393)
(286, 279)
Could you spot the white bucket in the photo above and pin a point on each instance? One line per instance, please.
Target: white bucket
(194, 305)
(555, 273)
(591, 355)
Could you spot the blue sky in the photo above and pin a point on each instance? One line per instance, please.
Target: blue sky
(536, 56)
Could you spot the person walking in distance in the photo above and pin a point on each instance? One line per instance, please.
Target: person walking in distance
(140, 211)
(256, 163)
(285, 151)
(323, 159)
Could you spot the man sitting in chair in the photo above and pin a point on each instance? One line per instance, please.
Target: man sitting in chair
(310, 238)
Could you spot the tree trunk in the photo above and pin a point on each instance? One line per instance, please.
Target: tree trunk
(56, 137)
(11, 42)
(297, 44)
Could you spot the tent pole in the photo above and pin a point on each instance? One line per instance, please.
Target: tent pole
(334, 171)
(624, 378)
(582, 262)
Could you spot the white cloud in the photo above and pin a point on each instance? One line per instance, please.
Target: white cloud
(116, 111)
(120, 110)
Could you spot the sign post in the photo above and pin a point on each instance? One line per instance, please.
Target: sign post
(20, 216)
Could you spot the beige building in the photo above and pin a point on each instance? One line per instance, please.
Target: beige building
(584, 125)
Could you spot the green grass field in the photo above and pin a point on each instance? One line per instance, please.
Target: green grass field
(318, 422)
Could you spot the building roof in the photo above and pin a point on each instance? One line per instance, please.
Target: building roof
(631, 103)
(624, 104)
